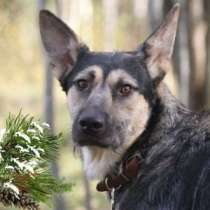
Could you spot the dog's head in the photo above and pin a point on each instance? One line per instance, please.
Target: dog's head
(110, 94)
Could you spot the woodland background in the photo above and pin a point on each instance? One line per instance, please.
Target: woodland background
(26, 81)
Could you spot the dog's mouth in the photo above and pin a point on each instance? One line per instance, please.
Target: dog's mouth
(90, 142)
(81, 139)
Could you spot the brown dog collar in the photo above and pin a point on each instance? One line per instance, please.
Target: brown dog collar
(129, 172)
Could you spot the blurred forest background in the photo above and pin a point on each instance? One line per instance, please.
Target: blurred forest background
(26, 81)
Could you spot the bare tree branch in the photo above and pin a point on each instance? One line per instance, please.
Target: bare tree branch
(49, 108)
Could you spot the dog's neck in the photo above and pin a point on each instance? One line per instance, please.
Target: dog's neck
(172, 107)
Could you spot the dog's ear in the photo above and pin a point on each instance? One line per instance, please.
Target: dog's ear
(158, 48)
(60, 42)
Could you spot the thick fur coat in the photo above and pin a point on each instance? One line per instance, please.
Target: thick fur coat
(175, 174)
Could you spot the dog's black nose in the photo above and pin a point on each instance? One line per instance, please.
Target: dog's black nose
(92, 124)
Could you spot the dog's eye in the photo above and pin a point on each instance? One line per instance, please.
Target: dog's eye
(125, 90)
(82, 84)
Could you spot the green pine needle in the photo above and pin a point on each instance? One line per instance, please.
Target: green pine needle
(26, 150)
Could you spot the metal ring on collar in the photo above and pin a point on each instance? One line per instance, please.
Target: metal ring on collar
(106, 184)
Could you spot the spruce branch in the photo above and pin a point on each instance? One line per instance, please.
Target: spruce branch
(26, 149)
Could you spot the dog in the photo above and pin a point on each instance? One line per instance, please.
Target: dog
(149, 150)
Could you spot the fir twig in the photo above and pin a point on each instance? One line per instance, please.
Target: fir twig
(26, 149)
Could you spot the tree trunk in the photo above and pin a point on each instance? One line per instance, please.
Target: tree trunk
(49, 111)
(59, 8)
(155, 9)
(188, 68)
(182, 56)
(197, 85)
(110, 8)
(207, 76)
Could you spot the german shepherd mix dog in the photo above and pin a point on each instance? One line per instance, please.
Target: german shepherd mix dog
(149, 150)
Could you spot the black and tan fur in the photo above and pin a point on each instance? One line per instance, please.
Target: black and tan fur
(118, 102)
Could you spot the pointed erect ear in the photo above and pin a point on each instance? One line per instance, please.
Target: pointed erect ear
(158, 48)
(60, 43)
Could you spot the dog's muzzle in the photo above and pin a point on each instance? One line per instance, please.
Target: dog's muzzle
(90, 127)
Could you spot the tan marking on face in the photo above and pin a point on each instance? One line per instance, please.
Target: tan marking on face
(96, 70)
(75, 101)
(120, 74)
(135, 113)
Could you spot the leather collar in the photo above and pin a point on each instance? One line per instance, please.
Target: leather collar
(129, 171)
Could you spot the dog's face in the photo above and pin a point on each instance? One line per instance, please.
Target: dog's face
(109, 99)
(110, 94)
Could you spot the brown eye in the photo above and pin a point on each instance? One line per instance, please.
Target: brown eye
(125, 90)
(82, 84)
